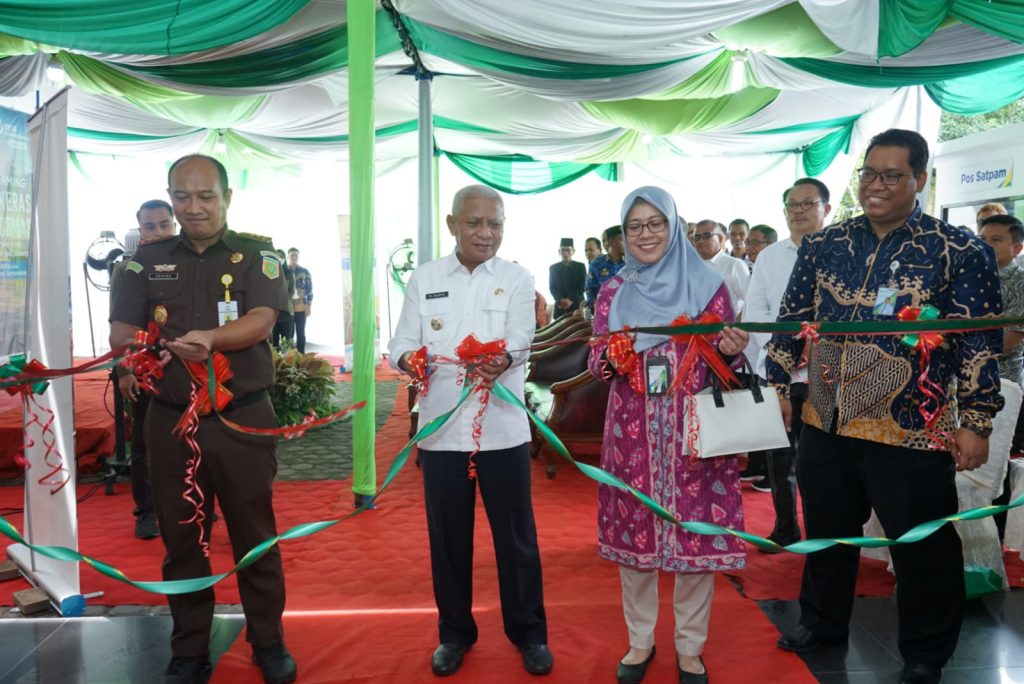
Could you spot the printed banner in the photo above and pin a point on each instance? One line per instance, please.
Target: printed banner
(15, 227)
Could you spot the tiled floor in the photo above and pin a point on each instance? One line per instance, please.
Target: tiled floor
(990, 651)
(95, 650)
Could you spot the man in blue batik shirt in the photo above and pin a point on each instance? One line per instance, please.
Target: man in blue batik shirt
(867, 442)
(607, 265)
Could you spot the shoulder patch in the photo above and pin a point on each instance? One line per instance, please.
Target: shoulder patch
(254, 236)
(271, 267)
(133, 266)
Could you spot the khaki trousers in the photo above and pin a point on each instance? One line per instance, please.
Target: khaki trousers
(691, 604)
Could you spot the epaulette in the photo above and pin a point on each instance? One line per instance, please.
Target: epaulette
(153, 241)
(254, 236)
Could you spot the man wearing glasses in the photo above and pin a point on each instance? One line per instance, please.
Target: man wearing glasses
(760, 237)
(806, 207)
(884, 427)
(709, 240)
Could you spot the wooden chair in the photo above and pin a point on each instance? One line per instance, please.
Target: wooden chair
(561, 391)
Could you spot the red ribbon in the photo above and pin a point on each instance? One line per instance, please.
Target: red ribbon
(933, 405)
(199, 405)
(700, 347)
(193, 494)
(143, 360)
(57, 476)
(471, 352)
(419, 367)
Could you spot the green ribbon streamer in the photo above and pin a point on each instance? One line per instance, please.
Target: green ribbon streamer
(186, 586)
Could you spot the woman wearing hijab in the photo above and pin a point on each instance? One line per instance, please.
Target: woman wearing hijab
(645, 437)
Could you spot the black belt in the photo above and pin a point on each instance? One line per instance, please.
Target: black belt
(236, 403)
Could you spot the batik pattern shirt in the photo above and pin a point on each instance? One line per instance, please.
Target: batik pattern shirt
(601, 270)
(1011, 281)
(867, 386)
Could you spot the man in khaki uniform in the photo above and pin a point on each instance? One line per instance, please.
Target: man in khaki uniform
(211, 290)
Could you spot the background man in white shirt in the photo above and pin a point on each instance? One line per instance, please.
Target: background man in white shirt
(709, 240)
(474, 291)
(806, 206)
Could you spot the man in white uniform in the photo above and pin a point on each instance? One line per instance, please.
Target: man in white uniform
(806, 206)
(709, 240)
(472, 291)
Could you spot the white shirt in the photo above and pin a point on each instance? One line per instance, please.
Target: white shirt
(736, 276)
(444, 303)
(764, 298)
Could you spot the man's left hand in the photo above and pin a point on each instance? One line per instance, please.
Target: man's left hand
(195, 345)
(969, 450)
(489, 372)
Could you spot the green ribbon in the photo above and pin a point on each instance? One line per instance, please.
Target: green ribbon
(595, 473)
(186, 586)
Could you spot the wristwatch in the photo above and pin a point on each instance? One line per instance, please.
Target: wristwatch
(983, 432)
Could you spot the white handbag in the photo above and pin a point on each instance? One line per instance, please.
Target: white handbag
(737, 421)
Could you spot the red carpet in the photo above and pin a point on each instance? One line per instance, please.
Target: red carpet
(94, 426)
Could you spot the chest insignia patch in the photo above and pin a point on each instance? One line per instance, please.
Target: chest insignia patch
(160, 314)
(236, 257)
(499, 292)
(164, 268)
(436, 323)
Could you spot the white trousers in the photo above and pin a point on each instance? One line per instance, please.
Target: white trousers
(691, 603)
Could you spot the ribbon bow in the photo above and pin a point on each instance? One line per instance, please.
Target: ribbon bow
(932, 406)
(19, 365)
(143, 361)
(419, 366)
(699, 347)
(472, 352)
(923, 341)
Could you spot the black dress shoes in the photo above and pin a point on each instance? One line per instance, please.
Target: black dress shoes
(919, 673)
(447, 659)
(633, 674)
(800, 639)
(276, 663)
(537, 658)
(188, 670)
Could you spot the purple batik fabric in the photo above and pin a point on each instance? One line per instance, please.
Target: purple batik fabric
(644, 440)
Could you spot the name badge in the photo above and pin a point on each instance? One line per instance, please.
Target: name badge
(163, 276)
(885, 303)
(437, 295)
(226, 312)
(657, 375)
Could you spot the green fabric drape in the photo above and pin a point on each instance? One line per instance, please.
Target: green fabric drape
(94, 76)
(672, 117)
(980, 93)
(818, 155)
(629, 146)
(521, 175)
(361, 39)
(437, 42)
(783, 32)
(114, 136)
(905, 24)
(302, 60)
(877, 76)
(149, 27)
(712, 81)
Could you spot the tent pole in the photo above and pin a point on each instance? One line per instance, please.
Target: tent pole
(361, 35)
(425, 159)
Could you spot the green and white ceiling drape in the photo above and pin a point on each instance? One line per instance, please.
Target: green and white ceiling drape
(572, 85)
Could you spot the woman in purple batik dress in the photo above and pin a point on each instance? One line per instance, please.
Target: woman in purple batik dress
(645, 437)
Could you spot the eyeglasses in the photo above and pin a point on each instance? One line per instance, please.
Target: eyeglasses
(655, 225)
(806, 205)
(867, 175)
(755, 243)
(703, 236)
